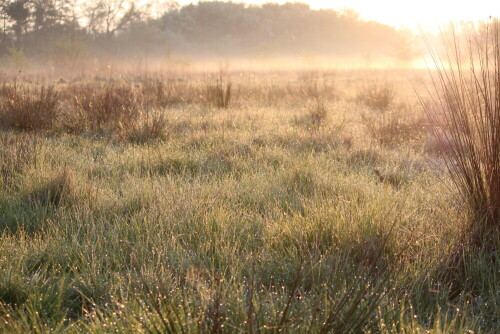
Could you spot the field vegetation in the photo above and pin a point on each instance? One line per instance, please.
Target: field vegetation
(323, 201)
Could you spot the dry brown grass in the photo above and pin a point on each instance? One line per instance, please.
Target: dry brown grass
(378, 98)
(103, 109)
(127, 111)
(29, 108)
(151, 126)
(218, 89)
(315, 118)
(130, 111)
(162, 92)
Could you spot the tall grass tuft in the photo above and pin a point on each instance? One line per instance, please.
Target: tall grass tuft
(29, 109)
(218, 92)
(315, 118)
(465, 115)
(56, 191)
(112, 107)
(150, 127)
(376, 97)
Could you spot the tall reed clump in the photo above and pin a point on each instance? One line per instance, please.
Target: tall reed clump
(160, 94)
(108, 108)
(218, 91)
(376, 97)
(29, 109)
(465, 115)
(150, 127)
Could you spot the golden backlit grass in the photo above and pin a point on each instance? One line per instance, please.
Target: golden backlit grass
(295, 208)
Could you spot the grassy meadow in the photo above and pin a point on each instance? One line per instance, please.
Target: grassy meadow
(304, 201)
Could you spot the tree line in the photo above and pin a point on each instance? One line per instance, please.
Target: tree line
(62, 31)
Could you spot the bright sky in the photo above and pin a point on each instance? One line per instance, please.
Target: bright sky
(429, 14)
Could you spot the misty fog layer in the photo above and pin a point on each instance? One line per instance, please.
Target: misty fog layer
(66, 34)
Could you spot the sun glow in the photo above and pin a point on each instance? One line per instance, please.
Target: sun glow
(426, 14)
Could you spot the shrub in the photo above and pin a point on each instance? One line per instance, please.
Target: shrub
(465, 118)
(29, 109)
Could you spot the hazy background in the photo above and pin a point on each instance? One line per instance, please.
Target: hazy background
(414, 15)
(77, 35)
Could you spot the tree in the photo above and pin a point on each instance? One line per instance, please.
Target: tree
(18, 12)
(111, 16)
